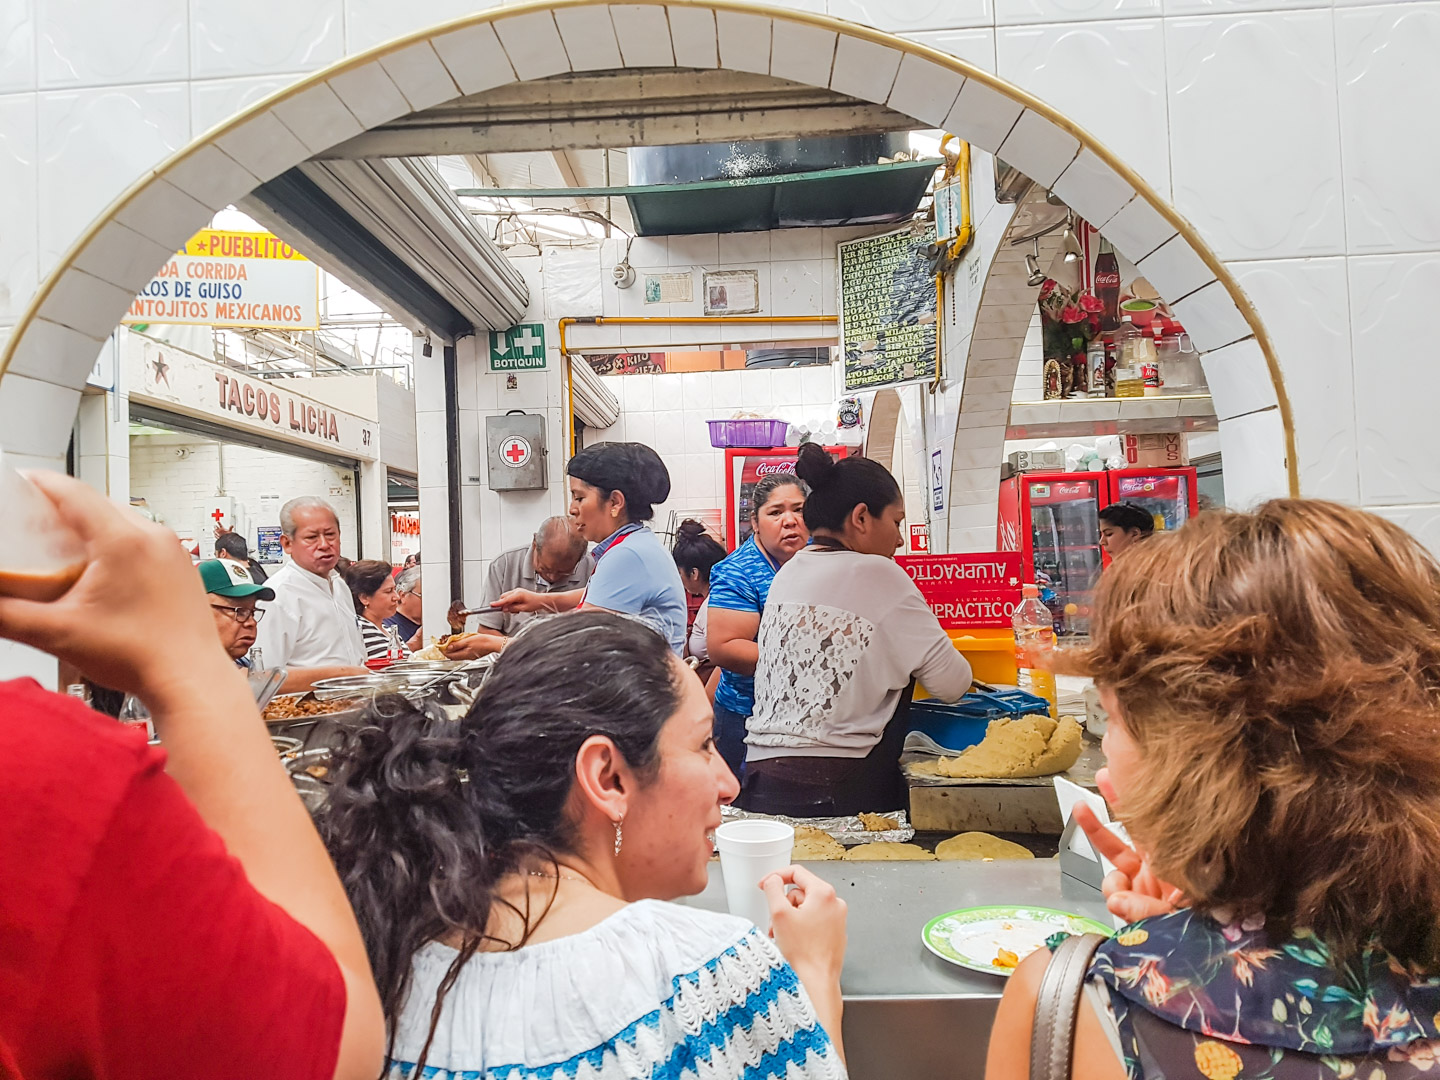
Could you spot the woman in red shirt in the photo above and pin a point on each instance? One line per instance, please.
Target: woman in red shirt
(162, 912)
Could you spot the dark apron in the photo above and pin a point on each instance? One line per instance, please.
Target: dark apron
(797, 786)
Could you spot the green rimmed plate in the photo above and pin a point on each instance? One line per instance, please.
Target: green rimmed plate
(974, 937)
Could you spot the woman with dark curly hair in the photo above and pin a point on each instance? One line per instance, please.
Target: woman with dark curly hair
(510, 872)
(1273, 688)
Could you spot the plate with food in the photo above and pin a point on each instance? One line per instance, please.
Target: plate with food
(287, 708)
(996, 939)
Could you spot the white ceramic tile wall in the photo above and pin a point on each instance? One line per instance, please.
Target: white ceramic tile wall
(670, 413)
(17, 45)
(1122, 65)
(1307, 315)
(1257, 442)
(264, 36)
(19, 194)
(84, 44)
(1391, 301)
(1255, 132)
(1252, 130)
(975, 46)
(215, 100)
(1018, 12)
(908, 15)
(373, 22)
(1386, 58)
(93, 143)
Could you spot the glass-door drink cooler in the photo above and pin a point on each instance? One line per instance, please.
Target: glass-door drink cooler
(1168, 495)
(744, 468)
(1052, 520)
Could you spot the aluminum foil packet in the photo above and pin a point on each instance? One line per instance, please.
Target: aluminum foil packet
(848, 830)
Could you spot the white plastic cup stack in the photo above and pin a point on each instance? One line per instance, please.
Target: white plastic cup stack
(750, 850)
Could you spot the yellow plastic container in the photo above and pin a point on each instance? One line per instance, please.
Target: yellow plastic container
(991, 653)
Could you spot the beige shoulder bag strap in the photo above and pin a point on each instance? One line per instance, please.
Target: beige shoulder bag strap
(1052, 1041)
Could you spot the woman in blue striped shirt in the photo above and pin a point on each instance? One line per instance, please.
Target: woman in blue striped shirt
(739, 586)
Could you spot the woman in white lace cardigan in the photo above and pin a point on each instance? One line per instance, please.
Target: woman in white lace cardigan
(510, 873)
(844, 634)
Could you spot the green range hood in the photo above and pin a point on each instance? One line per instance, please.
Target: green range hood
(859, 195)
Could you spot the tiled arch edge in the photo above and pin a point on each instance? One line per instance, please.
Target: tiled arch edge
(56, 340)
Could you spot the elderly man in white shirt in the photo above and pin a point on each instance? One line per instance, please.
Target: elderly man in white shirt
(311, 621)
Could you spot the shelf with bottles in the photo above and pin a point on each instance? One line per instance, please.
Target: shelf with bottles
(1104, 336)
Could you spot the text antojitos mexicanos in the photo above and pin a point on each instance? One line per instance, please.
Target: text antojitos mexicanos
(201, 289)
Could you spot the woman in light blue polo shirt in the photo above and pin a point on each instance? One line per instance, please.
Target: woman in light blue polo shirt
(614, 487)
(739, 585)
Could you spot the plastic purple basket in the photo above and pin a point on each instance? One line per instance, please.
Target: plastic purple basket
(725, 433)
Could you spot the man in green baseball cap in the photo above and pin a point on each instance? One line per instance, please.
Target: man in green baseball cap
(233, 594)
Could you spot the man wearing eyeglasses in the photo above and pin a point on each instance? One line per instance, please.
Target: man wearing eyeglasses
(233, 594)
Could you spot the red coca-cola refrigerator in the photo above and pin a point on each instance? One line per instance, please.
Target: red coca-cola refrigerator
(744, 467)
(1168, 494)
(1052, 519)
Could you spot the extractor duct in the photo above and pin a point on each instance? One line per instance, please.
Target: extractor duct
(393, 230)
(590, 399)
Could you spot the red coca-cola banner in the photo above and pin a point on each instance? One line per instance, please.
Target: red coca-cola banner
(968, 591)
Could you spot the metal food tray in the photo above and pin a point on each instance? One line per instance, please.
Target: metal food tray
(296, 721)
(848, 830)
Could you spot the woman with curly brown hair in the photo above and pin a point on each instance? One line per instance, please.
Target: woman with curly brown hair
(1273, 687)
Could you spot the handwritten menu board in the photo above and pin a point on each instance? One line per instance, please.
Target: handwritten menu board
(887, 309)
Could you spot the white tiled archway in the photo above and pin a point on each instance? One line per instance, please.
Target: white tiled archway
(56, 341)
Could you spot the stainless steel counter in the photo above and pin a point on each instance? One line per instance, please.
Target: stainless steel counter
(909, 1014)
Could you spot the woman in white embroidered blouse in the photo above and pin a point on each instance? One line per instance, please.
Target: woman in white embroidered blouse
(844, 634)
(510, 873)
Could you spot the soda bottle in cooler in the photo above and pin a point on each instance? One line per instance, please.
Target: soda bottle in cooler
(1034, 641)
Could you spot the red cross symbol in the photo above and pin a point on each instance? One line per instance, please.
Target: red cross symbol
(515, 451)
(218, 515)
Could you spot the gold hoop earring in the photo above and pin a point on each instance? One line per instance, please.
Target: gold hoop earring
(617, 837)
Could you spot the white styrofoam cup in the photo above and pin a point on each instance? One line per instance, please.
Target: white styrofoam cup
(750, 850)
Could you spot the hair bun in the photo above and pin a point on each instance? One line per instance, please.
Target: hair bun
(690, 528)
(814, 465)
(649, 472)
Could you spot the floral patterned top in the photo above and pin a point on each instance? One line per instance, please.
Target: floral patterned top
(1194, 998)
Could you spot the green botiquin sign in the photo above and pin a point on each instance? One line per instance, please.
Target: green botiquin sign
(521, 348)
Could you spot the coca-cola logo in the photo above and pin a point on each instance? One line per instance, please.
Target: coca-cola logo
(767, 467)
(1102, 280)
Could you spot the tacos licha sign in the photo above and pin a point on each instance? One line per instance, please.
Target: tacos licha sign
(187, 384)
